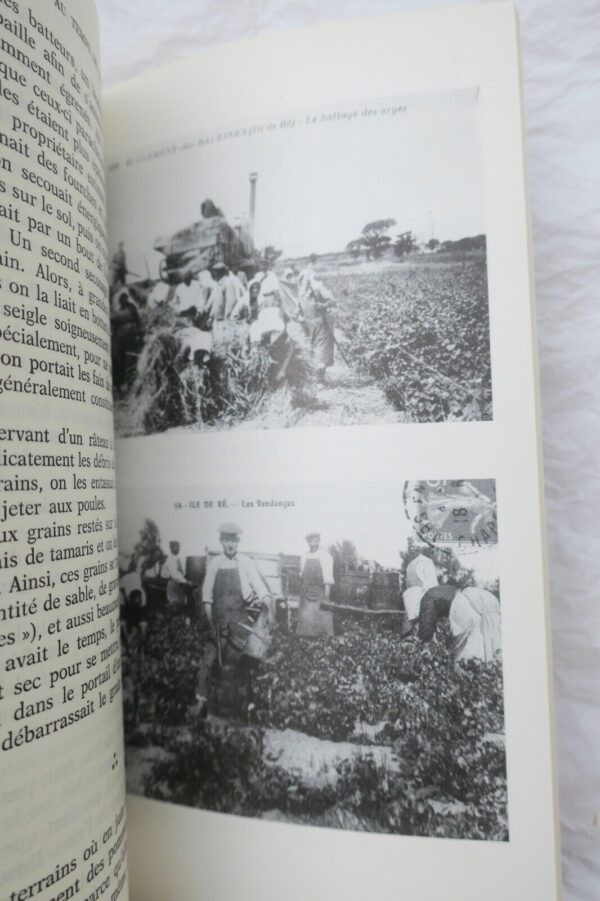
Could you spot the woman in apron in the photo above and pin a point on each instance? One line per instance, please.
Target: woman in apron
(475, 625)
(316, 579)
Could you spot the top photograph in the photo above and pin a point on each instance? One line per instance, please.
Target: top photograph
(323, 268)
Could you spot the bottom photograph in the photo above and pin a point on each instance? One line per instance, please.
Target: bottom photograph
(327, 657)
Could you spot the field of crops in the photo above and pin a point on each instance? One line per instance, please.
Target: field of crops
(429, 740)
(422, 331)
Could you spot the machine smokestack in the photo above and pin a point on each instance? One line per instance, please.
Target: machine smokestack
(253, 177)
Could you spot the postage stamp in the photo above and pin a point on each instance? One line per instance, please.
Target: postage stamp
(460, 512)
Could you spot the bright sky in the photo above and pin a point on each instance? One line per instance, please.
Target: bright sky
(371, 515)
(319, 183)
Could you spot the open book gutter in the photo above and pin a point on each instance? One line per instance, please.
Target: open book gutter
(298, 334)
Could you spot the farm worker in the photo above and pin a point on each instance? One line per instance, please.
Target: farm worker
(270, 330)
(270, 289)
(229, 300)
(425, 601)
(316, 579)
(232, 583)
(209, 210)
(119, 297)
(172, 570)
(131, 581)
(473, 613)
(319, 325)
(307, 274)
(267, 327)
(421, 575)
(195, 345)
(160, 295)
(230, 296)
(253, 292)
(153, 564)
(436, 605)
(290, 294)
(119, 268)
(133, 602)
(127, 339)
(191, 295)
(475, 625)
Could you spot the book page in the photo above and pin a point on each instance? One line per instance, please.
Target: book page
(329, 478)
(62, 817)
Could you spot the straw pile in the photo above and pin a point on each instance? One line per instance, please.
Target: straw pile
(239, 381)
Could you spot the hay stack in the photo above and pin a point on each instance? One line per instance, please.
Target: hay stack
(238, 382)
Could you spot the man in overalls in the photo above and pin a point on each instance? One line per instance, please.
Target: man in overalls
(231, 582)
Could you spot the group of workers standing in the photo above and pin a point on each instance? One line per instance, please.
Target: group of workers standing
(233, 594)
(234, 597)
(233, 585)
(216, 306)
(473, 613)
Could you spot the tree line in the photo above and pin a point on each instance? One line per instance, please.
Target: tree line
(376, 241)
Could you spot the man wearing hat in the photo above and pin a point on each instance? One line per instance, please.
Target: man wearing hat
(316, 579)
(231, 583)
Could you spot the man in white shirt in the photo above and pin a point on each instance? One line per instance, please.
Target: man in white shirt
(172, 570)
(133, 607)
(232, 582)
(316, 579)
(228, 303)
(229, 294)
(269, 286)
(160, 295)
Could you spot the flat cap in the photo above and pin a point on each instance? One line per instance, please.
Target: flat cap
(310, 535)
(230, 528)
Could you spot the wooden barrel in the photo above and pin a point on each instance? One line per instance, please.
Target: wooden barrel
(195, 569)
(386, 580)
(290, 581)
(281, 614)
(385, 598)
(352, 589)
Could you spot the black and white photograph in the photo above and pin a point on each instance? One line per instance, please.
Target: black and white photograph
(326, 267)
(314, 658)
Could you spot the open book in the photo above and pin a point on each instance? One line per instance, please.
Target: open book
(291, 297)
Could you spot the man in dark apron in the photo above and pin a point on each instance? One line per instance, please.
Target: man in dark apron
(316, 578)
(231, 582)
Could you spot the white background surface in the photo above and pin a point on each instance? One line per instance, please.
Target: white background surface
(561, 73)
